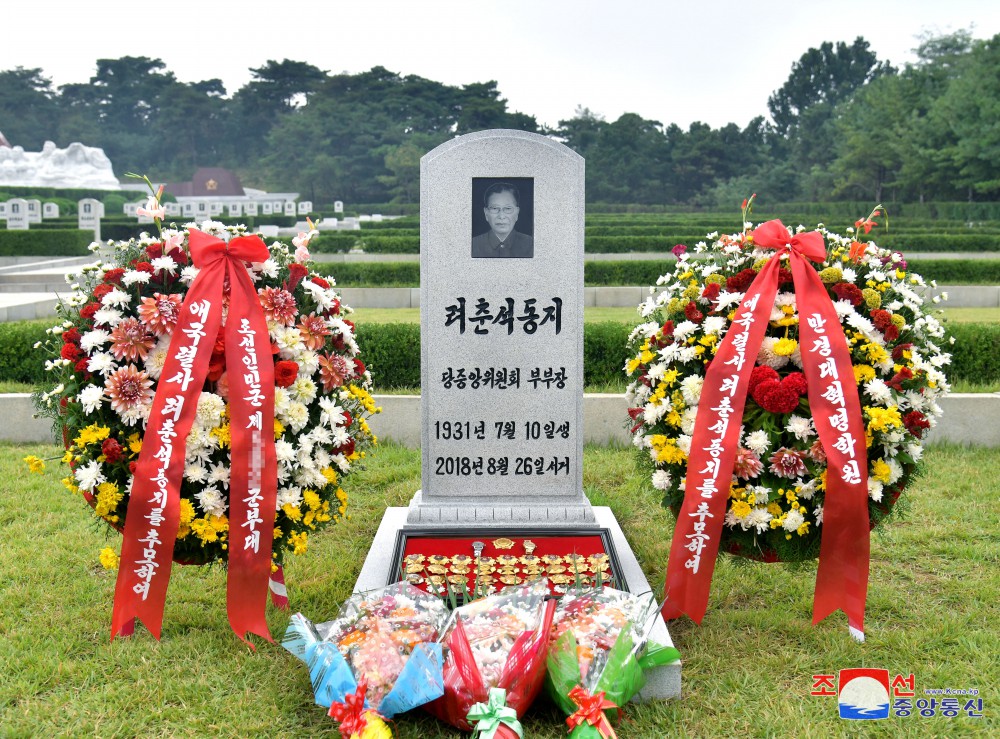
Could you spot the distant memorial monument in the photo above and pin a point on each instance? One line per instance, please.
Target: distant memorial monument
(76, 166)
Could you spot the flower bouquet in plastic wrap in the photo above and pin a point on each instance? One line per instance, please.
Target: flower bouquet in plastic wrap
(598, 654)
(495, 660)
(384, 642)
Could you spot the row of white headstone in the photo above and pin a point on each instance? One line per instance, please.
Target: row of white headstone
(23, 212)
(233, 209)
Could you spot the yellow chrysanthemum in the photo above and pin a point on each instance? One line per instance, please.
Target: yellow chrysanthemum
(883, 419)
(785, 347)
(35, 464)
(880, 471)
(863, 373)
(109, 558)
(222, 433)
(299, 541)
(279, 429)
(108, 498)
(91, 435)
(741, 509)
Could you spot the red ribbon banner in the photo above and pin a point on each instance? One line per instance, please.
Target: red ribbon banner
(154, 506)
(842, 579)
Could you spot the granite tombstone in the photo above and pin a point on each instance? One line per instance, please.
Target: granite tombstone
(17, 214)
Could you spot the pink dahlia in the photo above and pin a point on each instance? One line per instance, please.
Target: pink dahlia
(129, 390)
(334, 370)
(747, 464)
(130, 340)
(160, 312)
(788, 463)
(279, 305)
(313, 330)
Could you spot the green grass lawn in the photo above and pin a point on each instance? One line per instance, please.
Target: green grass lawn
(933, 607)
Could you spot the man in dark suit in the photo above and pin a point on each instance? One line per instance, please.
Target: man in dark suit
(501, 206)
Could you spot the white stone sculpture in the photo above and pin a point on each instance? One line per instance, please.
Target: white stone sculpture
(76, 166)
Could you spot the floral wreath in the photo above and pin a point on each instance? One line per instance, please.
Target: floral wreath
(106, 356)
(775, 506)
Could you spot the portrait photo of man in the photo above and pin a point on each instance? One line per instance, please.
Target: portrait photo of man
(504, 231)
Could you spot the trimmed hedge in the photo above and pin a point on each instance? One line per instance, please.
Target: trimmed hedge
(48, 243)
(957, 271)
(392, 353)
(372, 274)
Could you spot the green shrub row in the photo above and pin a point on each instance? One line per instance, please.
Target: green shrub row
(53, 243)
(392, 353)
(644, 272)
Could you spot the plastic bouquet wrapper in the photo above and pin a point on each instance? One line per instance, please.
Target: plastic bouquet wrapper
(500, 641)
(384, 640)
(598, 654)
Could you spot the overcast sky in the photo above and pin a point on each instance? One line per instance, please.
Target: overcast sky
(714, 61)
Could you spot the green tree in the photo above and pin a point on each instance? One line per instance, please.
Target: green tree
(27, 108)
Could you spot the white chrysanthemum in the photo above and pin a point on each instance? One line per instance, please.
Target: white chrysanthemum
(653, 413)
(874, 490)
(758, 519)
(284, 451)
(916, 451)
(288, 339)
(308, 362)
(89, 476)
(818, 514)
(793, 519)
(758, 442)
(135, 277)
(687, 420)
(766, 355)
(156, 358)
(691, 387)
(849, 275)
(761, 493)
(878, 391)
(325, 299)
(210, 410)
(290, 495)
(281, 400)
(268, 268)
(93, 339)
(188, 274)
(195, 472)
(895, 470)
(801, 428)
(340, 436)
(165, 263)
(219, 474)
(107, 317)
(684, 443)
(656, 371)
(645, 330)
(731, 520)
(661, 480)
(714, 325)
(330, 413)
(91, 398)
(808, 490)
(304, 389)
(727, 299)
(296, 415)
(211, 501)
(684, 329)
(116, 297)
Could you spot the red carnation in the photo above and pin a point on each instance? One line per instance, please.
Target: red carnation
(347, 448)
(897, 352)
(739, 282)
(155, 251)
(335, 310)
(778, 397)
(72, 336)
(848, 291)
(348, 420)
(112, 451)
(359, 367)
(784, 276)
(217, 363)
(114, 276)
(143, 267)
(899, 378)
(81, 366)
(668, 331)
(916, 422)
(678, 250)
(692, 313)
(285, 372)
(317, 280)
(891, 333)
(101, 290)
(881, 319)
(711, 291)
(71, 352)
(88, 311)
